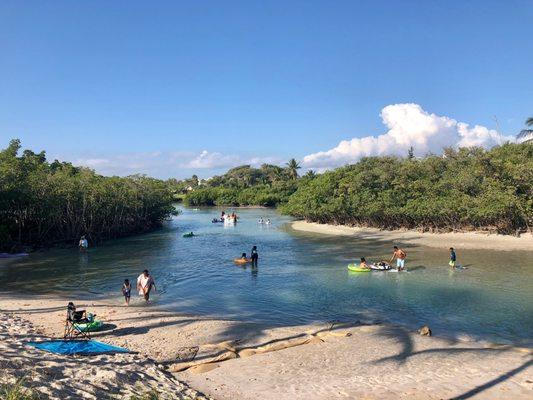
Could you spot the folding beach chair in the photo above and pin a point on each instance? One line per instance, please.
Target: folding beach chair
(75, 317)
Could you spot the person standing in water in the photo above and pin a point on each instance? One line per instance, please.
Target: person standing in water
(255, 256)
(83, 244)
(126, 291)
(453, 258)
(400, 255)
(145, 282)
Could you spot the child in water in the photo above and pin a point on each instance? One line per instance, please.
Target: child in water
(453, 258)
(126, 291)
(243, 256)
(363, 263)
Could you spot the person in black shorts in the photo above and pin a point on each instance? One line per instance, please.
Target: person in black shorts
(255, 256)
(126, 291)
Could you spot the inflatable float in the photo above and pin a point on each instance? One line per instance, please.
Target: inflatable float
(242, 260)
(357, 268)
(93, 326)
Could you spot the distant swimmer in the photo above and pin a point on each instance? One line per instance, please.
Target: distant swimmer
(453, 258)
(83, 244)
(400, 256)
(268, 221)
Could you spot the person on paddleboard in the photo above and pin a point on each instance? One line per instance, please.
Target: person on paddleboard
(400, 256)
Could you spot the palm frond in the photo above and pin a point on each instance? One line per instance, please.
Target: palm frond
(524, 133)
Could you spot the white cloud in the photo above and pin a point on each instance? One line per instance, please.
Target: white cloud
(408, 125)
(209, 160)
(166, 164)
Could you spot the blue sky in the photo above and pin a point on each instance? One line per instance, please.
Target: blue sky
(175, 88)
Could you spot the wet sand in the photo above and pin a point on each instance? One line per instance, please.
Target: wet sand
(459, 240)
(234, 360)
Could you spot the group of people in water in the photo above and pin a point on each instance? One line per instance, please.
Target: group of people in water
(145, 284)
(400, 255)
(264, 221)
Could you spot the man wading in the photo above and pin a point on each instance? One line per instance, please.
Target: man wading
(400, 255)
(145, 282)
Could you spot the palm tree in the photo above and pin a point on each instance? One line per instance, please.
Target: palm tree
(310, 174)
(293, 166)
(526, 135)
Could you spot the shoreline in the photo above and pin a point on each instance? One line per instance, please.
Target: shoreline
(229, 359)
(458, 240)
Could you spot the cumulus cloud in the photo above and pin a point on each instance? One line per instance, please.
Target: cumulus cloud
(408, 125)
(166, 164)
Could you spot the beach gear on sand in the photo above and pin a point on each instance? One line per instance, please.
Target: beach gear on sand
(93, 326)
(357, 268)
(242, 260)
(81, 347)
(80, 323)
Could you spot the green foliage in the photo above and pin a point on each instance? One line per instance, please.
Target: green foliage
(43, 203)
(465, 189)
(17, 391)
(267, 186)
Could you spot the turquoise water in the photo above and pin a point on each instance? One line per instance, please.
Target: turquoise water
(301, 278)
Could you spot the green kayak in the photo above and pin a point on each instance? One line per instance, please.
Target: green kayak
(89, 326)
(357, 268)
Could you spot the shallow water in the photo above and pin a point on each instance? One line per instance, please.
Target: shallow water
(301, 278)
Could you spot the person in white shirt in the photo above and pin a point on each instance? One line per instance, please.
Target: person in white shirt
(83, 244)
(145, 283)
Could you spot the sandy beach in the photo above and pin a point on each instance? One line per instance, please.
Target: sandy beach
(235, 360)
(459, 240)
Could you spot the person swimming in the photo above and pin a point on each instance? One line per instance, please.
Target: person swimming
(243, 256)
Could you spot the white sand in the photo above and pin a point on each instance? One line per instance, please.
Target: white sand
(374, 362)
(77, 377)
(460, 240)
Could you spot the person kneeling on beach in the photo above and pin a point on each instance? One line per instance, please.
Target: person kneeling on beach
(145, 282)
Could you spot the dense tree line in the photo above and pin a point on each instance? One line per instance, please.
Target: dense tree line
(466, 189)
(43, 203)
(269, 185)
